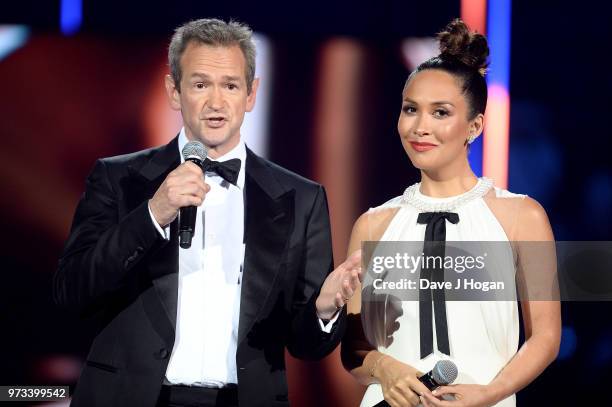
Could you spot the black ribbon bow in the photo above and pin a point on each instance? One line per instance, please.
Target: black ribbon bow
(228, 170)
(434, 245)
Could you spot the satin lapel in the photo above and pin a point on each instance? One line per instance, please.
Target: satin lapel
(269, 219)
(163, 262)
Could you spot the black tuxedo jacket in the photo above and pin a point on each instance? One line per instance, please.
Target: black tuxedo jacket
(117, 267)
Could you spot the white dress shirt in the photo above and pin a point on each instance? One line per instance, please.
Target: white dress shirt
(210, 274)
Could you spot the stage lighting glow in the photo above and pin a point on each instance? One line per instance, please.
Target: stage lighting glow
(418, 50)
(475, 156)
(71, 16)
(12, 37)
(496, 135)
(603, 351)
(474, 13)
(497, 123)
(498, 33)
(254, 129)
(569, 342)
(489, 156)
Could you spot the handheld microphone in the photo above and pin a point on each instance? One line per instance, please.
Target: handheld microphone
(444, 372)
(195, 152)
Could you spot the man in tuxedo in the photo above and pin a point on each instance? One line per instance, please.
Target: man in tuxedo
(205, 325)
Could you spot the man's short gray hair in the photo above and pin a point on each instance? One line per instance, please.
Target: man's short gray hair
(216, 33)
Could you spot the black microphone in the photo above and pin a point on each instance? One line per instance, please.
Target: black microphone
(444, 372)
(195, 152)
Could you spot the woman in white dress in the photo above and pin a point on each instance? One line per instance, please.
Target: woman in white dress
(388, 345)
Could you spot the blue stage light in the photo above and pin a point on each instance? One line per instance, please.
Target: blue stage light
(71, 15)
(568, 343)
(12, 37)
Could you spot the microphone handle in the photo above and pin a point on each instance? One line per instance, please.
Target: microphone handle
(427, 379)
(196, 161)
(187, 217)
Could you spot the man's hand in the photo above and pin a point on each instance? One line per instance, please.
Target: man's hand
(184, 186)
(339, 286)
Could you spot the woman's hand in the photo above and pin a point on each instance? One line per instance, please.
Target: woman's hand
(400, 382)
(466, 395)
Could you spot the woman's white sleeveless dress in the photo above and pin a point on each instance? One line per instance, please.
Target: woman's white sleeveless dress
(483, 335)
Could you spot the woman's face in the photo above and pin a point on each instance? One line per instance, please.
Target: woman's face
(433, 124)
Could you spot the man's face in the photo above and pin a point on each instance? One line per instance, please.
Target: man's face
(213, 95)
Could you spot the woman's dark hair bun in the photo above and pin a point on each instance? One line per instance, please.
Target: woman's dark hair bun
(470, 48)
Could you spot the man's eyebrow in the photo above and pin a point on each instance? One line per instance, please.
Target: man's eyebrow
(229, 78)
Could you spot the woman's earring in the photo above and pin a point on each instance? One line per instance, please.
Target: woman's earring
(471, 139)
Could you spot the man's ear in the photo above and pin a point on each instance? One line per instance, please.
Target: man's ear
(251, 97)
(173, 93)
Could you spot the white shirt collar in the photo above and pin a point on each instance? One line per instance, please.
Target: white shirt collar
(239, 151)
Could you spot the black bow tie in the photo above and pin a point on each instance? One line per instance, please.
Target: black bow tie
(228, 170)
(435, 238)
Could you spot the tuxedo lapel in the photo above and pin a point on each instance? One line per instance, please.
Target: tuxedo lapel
(269, 218)
(144, 181)
(160, 305)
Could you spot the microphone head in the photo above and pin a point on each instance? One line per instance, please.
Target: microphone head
(194, 149)
(444, 372)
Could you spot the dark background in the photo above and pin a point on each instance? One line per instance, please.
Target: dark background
(67, 100)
